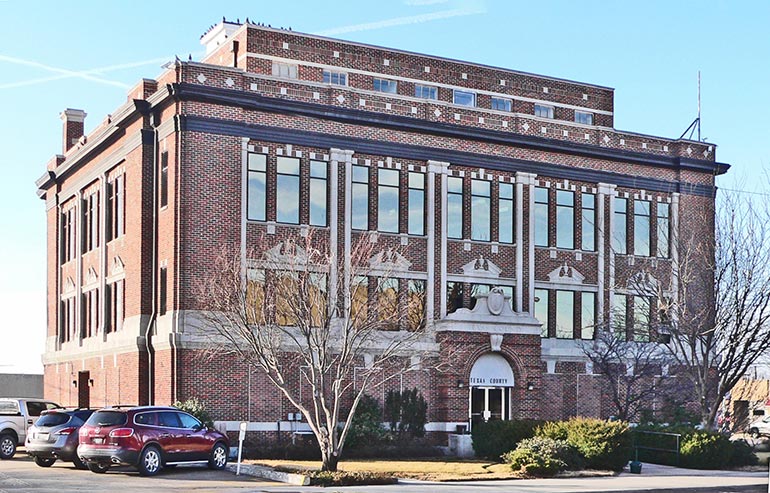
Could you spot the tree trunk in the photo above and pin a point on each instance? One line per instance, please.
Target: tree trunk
(329, 459)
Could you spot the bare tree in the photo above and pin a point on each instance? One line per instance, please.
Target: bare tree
(717, 334)
(632, 371)
(296, 305)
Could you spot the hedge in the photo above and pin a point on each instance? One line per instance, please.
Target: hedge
(542, 456)
(603, 444)
(494, 438)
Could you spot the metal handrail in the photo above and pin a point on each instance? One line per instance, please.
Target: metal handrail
(638, 447)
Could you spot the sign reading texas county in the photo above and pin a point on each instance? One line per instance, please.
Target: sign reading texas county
(491, 370)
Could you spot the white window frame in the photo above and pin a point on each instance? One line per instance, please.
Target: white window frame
(455, 92)
(508, 101)
(587, 114)
(284, 70)
(425, 86)
(548, 108)
(387, 83)
(338, 74)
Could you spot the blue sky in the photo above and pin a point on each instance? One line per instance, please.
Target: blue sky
(55, 55)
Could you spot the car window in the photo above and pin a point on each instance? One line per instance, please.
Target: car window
(35, 408)
(107, 418)
(9, 408)
(147, 419)
(84, 415)
(170, 419)
(52, 419)
(188, 421)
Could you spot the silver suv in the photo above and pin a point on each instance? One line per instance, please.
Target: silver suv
(16, 415)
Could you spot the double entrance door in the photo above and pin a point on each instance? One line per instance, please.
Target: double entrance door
(489, 403)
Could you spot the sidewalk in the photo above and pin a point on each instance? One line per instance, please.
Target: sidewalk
(661, 479)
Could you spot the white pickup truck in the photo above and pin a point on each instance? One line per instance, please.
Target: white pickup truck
(16, 415)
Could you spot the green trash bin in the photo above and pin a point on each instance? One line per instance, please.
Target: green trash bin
(635, 467)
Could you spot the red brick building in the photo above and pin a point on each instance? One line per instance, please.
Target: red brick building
(507, 188)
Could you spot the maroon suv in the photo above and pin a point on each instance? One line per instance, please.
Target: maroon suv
(149, 438)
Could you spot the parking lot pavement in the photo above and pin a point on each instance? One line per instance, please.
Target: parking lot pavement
(21, 475)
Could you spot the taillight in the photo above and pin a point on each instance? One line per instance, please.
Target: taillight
(65, 431)
(121, 432)
(83, 432)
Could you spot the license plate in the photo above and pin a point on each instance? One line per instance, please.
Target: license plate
(42, 436)
(98, 440)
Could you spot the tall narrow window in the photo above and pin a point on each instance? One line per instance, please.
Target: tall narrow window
(642, 318)
(286, 285)
(255, 297)
(385, 85)
(480, 209)
(454, 296)
(565, 314)
(664, 230)
(89, 320)
(257, 196)
(565, 219)
(164, 178)
(587, 315)
(619, 229)
(454, 207)
(287, 190)
(415, 305)
(318, 193)
(162, 288)
(505, 213)
(387, 200)
(67, 321)
(317, 289)
(360, 200)
(116, 207)
(588, 226)
(90, 238)
(359, 299)
(619, 315)
(416, 203)
(642, 228)
(541, 216)
(541, 310)
(115, 302)
(387, 301)
(68, 235)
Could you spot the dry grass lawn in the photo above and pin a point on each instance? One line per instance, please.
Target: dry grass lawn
(426, 469)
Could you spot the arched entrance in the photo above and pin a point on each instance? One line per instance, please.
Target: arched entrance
(491, 385)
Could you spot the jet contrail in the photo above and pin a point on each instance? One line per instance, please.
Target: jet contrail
(70, 73)
(401, 21)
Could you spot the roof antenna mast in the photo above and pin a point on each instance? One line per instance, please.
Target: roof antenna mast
(695, 125)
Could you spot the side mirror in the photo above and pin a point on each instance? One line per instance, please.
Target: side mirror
(199, 427)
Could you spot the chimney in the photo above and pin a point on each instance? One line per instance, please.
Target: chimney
(73, 128)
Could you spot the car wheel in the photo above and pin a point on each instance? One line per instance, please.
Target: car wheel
(218, 458)
(150, 461)
(754, 433)
(44, 461)
(98, 467)
(7, 446)
(78, 463)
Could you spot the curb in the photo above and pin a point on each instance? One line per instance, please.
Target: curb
(271, 474)
(689, 489)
